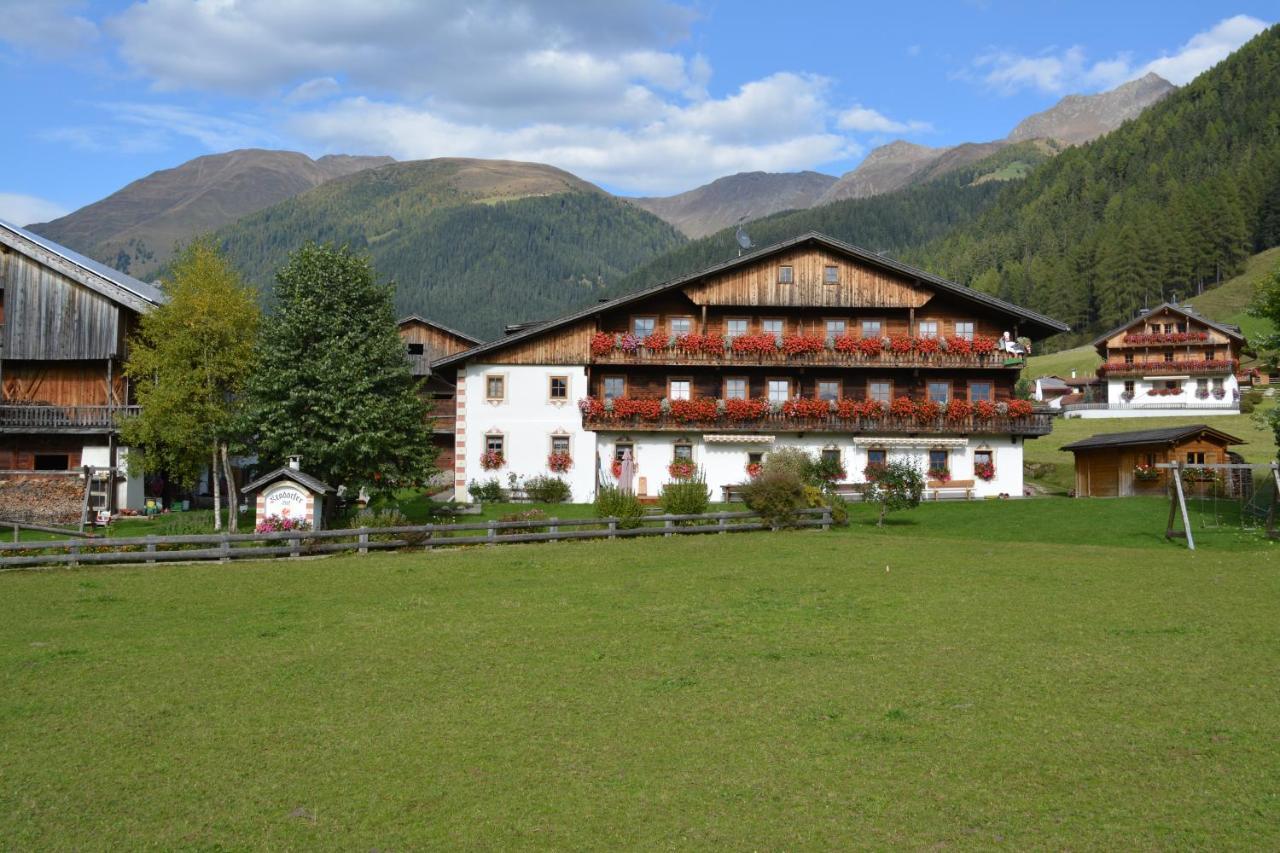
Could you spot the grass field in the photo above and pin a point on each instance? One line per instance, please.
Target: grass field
(1028, 674)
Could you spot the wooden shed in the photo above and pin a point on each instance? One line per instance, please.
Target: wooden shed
(1108, 465)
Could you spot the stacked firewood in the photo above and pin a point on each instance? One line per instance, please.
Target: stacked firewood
(41, 498)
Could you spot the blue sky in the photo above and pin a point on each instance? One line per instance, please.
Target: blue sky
(640, 96)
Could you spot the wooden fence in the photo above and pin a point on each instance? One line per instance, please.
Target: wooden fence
(255, 546)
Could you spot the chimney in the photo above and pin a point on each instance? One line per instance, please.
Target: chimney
(1073, 374)
(295, 463)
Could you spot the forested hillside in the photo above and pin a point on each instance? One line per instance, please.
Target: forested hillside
(892, 223)
(1169, 203)
(472, 244)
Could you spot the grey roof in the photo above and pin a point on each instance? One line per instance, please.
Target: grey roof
(441, 326)
(1047, 324)
(1149, 436)
(147, 292)
(1226, 328)
(287, 473)
(1054, 382)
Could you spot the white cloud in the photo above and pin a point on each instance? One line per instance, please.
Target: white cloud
(316, 89)
(49, 28)
(140, 128)
(1059, 71)
(1204, 50)
(866, 120)
(28, 209)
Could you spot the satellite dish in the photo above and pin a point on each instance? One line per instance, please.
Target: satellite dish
(744, 242)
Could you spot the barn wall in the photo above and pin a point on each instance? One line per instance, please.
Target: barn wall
(48, 316)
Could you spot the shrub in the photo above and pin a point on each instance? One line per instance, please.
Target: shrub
(527, 515)
(547, 490)
(612, 502)
(793, 459)
(389, 517)
(686, 497)
(897, 485)
(827, 471)
(489, 491)
(1250, 401)
(776, 493)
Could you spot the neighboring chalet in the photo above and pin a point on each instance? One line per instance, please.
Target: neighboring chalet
(811, 343)
(1121, 464)
(1164, 362)
(425, 343)
(67, 320)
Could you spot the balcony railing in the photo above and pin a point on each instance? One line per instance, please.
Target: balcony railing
(1169, 368)
(63, 418)
(819, 358)
(1038, 423)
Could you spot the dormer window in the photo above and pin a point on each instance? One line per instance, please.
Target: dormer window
(786, 275)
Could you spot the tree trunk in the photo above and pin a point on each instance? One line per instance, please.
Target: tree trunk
(215, 477)
(233, 495)
(884, 509)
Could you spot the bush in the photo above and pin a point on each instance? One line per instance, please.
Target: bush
(490, 491)
(547, 490)
(388, 517)
(795, 460)
(686, 497)
(776, 493)
(527, 515)
(612, 502)
(1250, 400)
(897, 485)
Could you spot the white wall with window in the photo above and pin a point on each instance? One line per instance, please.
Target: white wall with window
(1133, 396)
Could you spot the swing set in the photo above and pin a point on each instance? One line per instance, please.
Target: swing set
(1225, 483)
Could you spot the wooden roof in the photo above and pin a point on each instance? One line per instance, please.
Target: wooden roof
(1167, 435)
(287, 473)
(1229, 331)
(1040, 323)
(418, 318)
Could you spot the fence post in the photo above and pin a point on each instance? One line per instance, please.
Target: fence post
(226, 549)
(151, 548)
(826, 518)
(613, 528)
(15, 532)
(295, 547)
(553, 527)
(667, 527)
(492, 534)
(363, 538)
(75, 555)
(723, 526)
(427, 542)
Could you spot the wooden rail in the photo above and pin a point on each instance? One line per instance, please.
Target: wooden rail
(1040, 423)
(14, 417)
(228, 546)
(826, 357)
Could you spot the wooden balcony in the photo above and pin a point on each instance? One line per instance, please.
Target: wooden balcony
(822, 358)
(1039, 423)
(15, 417)
(1185, 367)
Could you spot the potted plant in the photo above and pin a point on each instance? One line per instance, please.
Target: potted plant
(681, 469)
(941, 476)
(985, 471)
(558, 463)
(1146, 472)
(492, 460)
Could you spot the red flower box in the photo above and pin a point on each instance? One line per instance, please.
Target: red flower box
(901, 344)
(601, 343)
(902, 407)
(870, 347)
(959, 346)
(762, 344)
(681, 469)
(804, 407)
(871, 409)
(711, 345)
(985, 471)
(558, 463)
(927, 346)
(492, 460)
(656, 340)
(846, 343)
(985, 409)
(1020, 408)
(983, 346)
(745, 410)
(802, 344)
(958, 410)
(687, 411)
(754, 469)
(928, 410)
(1165, 337)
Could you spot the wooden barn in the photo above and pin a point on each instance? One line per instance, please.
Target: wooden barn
(1121, 464)
(67, 321)
(426, 342)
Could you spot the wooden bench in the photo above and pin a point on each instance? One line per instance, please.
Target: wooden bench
(960, 489)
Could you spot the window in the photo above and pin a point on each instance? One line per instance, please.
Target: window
(872, 329)
(736, 327)
(1151, 460)
(836, 328)
(831, 275)
(755, 457)
(1171, 385)
(786, 275)
(735, 388)
(1195, 457)
(981, 391)
(1217, 384)
(681, 325)
(927, 328)
(558, 390)
(416, 349)
(679, 389)
(495, 443)
(682, 451)
(623, 447)
(939, 392)
(828, 389)
(774, 327)
(1208, 354)
(877, 456)
(983, 457)
(964, 329)
(1128, 358)
(938, 460)
(559, 444)
(1130, 387)
(52, 462)
(1168, 357)
(615, 387)
(495, 387)
(831, 455)
(779, 390)
(1202, 385)
(641, 326)
(880, 389)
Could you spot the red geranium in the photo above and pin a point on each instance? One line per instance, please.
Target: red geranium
(745, 410)
(901, 344)
(601, 343)
(846, 343)
(656, 340)
(927, 346)
(685, 411)
(985, 409)
(616, 468)
(559, 462)
(984, 471)
(763, 344)
(681, 469)
(902, 407)
(870, 346)
(806, 407)
(959, 410)
(645, 409)
(492, 460)
(711, 345)
(984, 345)
(802, 344)
(959, 345)
(689, 342)
(754, 469)
(1020, 408)
(847, 409)
(872, 409)
(928, 410)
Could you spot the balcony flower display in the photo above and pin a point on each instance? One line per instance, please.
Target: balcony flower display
(928, 411)
(754, 469)
(939, 475)
(558, 463)
(1146, 472)
(1165, 337)
(984, 409)
(872, 409)
(982, 345)
(629, 344)
(591, 407)
(689, 342)
(681, 469)
(712, 345)
(1166, 367)
(602, 343)
(902, 407)
(901, 344)
(656, 340)
(492, 460)
(805, 407)
(685, 411)
(627, 407)
(847, 344)
(959, 345)
(1019, 408)
(985, 471)
(927, 346)
(761, 344)
(803, 344)
(745, 410)
(958, 410)
(1164, 392)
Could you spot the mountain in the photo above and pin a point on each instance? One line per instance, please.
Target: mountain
(136, 228)
(737, 198)
(1169, 203)
(474, 244)
(1077, 119)
(1074, 120)
(894, 222)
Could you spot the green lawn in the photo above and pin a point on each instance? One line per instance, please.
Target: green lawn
(1057, 473)
(1025, 674)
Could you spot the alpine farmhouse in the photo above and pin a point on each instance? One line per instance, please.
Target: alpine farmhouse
(810, 343)
(67, 321)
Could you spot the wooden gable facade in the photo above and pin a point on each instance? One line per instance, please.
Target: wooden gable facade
(1108, 465)
(1170, 334)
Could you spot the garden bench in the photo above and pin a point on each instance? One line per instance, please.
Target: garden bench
(953, 488)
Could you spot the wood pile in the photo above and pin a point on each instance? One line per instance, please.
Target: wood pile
(41, 498)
